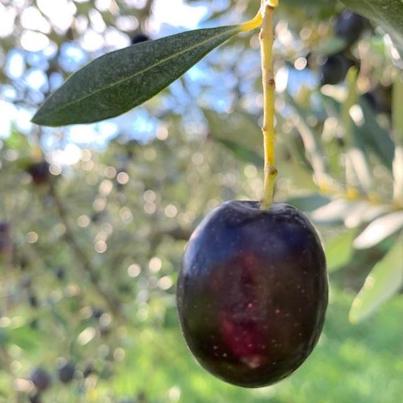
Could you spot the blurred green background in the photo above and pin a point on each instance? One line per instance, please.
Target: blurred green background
(94, 219)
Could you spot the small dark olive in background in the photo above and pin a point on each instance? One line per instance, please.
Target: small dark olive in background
(5, 238)
(35, 398)
(66, 371)
(350, 26)
(41, 379)
(33, 300)
(88, 370)
(380, 99)
(140, 37)
(334, 69)
(60, 273)
(39, 172)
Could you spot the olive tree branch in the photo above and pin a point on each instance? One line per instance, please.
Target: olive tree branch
(112, 303)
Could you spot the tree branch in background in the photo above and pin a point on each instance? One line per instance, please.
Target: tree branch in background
(112, 303)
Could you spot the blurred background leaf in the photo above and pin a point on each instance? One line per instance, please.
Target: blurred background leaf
(385, 279)
(339, 250)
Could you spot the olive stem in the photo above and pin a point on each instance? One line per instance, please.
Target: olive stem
(269, 86)
(254, 23)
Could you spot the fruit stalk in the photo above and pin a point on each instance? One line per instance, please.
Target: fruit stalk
(269, 85)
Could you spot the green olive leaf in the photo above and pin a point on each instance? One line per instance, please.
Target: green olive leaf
(228, 129)
(232, 127)
(120, 80)
(386, 13)
(397, 108)
(375, 136)
(383, 282)
(339, 250)
(379, 229)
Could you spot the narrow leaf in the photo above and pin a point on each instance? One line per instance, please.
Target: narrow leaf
(310, 138)
(123, 79)
(398, 130)
(363, 212)
(339, 250)
(376, 137)
(240, 152)
(237, 127)
(332, 213)
(379, 229)
(397, 109)
(356, 152)
(384, 281)
(398, 175)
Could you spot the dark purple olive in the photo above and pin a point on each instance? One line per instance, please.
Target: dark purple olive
(39, 172)
(5, 238)
(88, 370)
(35, 398)
(60, 273)
(66, 372)
(97, 313)
(33, 300)
(380, 99)
(252, 292)
(34, 324)
(140, 37)
(41, 379)
(350, 26)
(334, 69)
(4, 227)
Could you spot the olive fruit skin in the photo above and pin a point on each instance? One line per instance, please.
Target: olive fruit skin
(334, 69)
(380, 99)
(252, 292)
(35, 398)
(5, 239)
(41, 379)
(350, 26)
(66, 372)
(39, 172)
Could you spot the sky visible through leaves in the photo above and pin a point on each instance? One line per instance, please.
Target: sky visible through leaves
(167, 18)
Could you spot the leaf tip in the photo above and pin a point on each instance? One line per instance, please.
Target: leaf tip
(43, 119)
(39, 117)
(36, 119)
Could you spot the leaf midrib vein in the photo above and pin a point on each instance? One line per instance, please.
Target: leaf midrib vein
(117, 83)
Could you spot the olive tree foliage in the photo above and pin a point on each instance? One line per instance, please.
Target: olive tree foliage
(89, 253)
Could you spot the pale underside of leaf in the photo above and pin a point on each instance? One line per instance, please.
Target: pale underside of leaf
(334, 211)
(379, 229)
(120, 80)
(385, 279)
